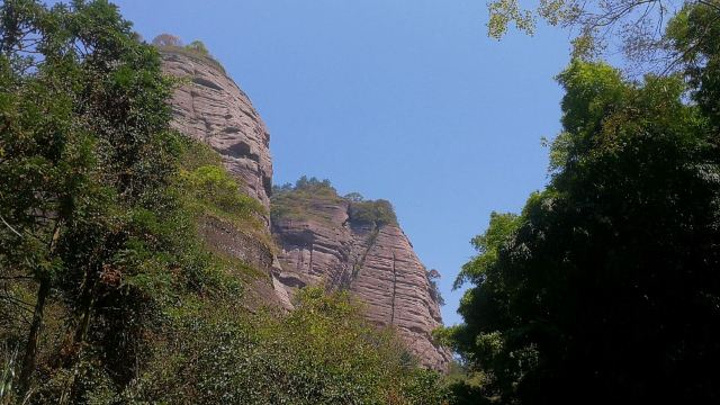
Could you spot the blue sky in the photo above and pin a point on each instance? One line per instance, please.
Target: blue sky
(406, 100)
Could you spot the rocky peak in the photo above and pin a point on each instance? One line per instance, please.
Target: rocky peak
(210, 107)
(357, 245)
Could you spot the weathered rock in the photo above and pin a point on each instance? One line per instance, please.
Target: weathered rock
(211, 108)
(259, 263)
(393, 282)
(324, 245)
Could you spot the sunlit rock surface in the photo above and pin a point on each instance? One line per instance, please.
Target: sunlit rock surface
(211, 108)
(376, 263)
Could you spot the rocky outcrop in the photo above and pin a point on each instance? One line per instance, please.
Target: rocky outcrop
(323, 242)
(210, 107)
(390, 278)
(324, 239)
(258, 263)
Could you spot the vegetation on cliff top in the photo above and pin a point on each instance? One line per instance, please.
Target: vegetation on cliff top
(305, 199)
(196, 49)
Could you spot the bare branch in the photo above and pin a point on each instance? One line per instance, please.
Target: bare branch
(11, 228)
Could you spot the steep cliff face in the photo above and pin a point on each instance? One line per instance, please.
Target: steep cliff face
(211, 108)
(358, 246)
(323, 239)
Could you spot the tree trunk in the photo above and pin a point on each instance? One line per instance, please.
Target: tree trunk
(88, 301)
(28, 366)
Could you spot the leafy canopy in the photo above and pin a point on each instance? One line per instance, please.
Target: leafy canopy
(607, 281)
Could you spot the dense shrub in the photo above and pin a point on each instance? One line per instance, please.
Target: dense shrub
(302, 200)
(324, 352)
(377, 213)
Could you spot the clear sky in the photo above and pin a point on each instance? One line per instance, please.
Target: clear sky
(406, 100)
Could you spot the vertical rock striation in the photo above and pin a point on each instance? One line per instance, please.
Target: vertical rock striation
(394, 284)
(325, 241)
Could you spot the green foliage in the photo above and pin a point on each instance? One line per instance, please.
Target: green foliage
(635, 27)
(314, 185)
(354, 197)
(499, 231)
(607, 282)
(196, 49)
(504, 12)
(86, 155)
(199, 47)
(106, 287)
(167, 40)
(324, 352)
(208, 190)
(378, 213)
(694, 35)
(215, 192)
(300, 201)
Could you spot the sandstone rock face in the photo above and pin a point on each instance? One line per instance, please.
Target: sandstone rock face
(394, 283)
(264, 291)
(324, 245)
(324, 239)
(211, 108)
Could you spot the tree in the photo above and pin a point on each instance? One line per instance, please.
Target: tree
(323, 352)
(199, 47)
(605, 283)
(168, 40)
(638, 24)
(354, 197)
(84, 145)
(694, 37)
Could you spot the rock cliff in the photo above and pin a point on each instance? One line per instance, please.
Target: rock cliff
(211, 108)
(358, 246)
(323, 239)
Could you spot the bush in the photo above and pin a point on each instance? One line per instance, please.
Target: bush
(377, 213)
(324, 352)
(301, 202)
